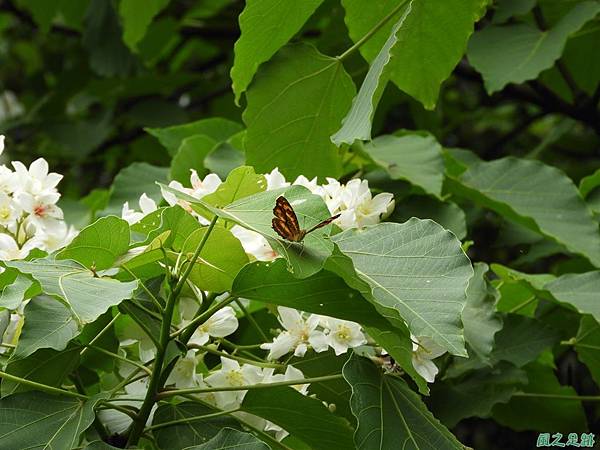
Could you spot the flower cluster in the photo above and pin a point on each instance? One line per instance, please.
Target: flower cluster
(29, 217)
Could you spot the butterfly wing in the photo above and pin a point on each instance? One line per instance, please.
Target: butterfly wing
(285, 222)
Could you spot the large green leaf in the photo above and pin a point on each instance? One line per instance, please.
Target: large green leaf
(99, 244)
(220, 260)
(416, 269)
(133, 181)
(84, 294)
(174, 220)
(36, 420)
(48, 324)
(581, 291)
(414, 157)
(431, 40)
(229, 438)
(587, 345)
(266, 26)
(322, 293)
(187, 434)
(45, 366)
(16, 291)
(303, 417)
(296, 102)
(535, 195)
(136, 16)
(554, 414)
(522, 339)
(476, 394)
(479, 316)
(256, 213)
(447, 214)
(241, 182)
(190, 155)
(357, 123)
(520, 52)
(390, 414)
(215, 128)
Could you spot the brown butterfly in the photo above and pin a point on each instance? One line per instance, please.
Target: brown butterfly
(285, 222)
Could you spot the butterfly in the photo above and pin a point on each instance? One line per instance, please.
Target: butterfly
(285, 222)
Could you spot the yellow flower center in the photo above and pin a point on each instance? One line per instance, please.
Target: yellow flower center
(235, 378)
(343, 333)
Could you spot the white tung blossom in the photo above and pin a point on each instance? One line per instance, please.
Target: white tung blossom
(231, 374)
(343, 334)
(299, 335)
(220, 324)
(424, 351)
(147, 206)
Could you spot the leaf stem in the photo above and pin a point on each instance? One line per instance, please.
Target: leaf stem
(42, 387)
(100, 334)
(157, 303)
(174, 392)
(121, 358)
(192, 419)
(372, 31)
(235, 357)
(157, 377)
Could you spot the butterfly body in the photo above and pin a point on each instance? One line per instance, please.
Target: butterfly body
(285, 223)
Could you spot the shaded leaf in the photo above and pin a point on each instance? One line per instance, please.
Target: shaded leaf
(136, 16)
(390, 414)
(228, 438)
(582, 291)
(296, 102)
(265, 27)
(525, 50)
(190, 155)
(587, 345)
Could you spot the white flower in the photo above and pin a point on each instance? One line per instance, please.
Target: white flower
(201, 188)
(9, 249)
(220, 324)
(424, 351)
(42, 209)
(37, 181)
(53, 239)
(183, 374)
(299, 334)
(10, 210)
(254, 243)
(333, 195)
(343, 334)
(275, 180)
(311, 185)
(231, 374)
(359, 208)
(147, 205)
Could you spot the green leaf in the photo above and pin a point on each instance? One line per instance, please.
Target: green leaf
(509, 8)
(40, 420)
(447, 214)
(303, 417)
(99, 244)
(389, 413)
(520, 52)
(581, 291)
(476, 394)
(224, 158)
(188, 434)
(416, 269)
(228, 438)
(102, 39)
(587, 345)
(42, 11)
(48, 324)
(133, 181)
(215, 128)
(561, 415)
(296, 102)
(14, 293)
(173, 219)
(241, 182)
(266, 26)
(357, 123)
(479, 316)
(431, 40)
(136, 16)
(85, 295)
(589, 183)
(190, 155)
(522, 339)
(322, 293)
(256, 213)
(540, 197)
(414, 157)
(220, 260)
(45, 366)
